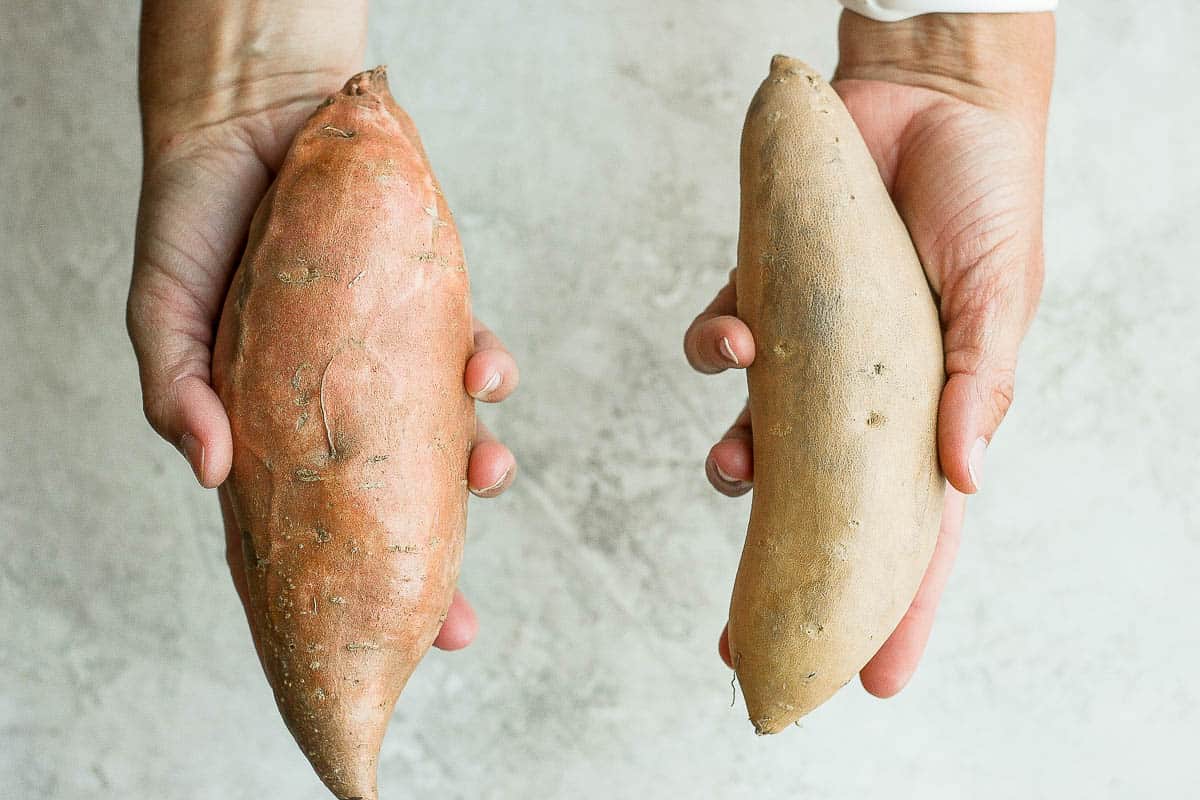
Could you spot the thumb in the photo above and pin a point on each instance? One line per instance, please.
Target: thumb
(177, 399)
(983, 329)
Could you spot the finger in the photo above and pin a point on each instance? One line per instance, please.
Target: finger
(985, 313)
(730, 467)
(491, 467)
(177, 399)
(491, 373)
(971, 408)
(717, 340)
(892, 667)
(460, 626)
(719, 343)
(730, 463)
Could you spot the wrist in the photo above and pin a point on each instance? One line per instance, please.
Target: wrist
(202, 63)
(1003, 61)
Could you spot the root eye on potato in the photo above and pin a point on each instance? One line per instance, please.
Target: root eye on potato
(848, 492)
(340, 359)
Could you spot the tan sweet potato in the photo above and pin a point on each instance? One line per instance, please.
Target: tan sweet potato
(843, 402)
(340, 360)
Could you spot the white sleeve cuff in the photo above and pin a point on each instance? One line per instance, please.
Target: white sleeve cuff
(893, 10)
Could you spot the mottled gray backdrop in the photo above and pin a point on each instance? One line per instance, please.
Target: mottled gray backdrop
(589, 150)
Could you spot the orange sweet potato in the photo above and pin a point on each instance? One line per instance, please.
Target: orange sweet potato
(340, 358)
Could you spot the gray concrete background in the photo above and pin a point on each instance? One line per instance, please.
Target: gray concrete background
(590, 150)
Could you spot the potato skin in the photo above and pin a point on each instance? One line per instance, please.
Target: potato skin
(340, 358)
(843, 402)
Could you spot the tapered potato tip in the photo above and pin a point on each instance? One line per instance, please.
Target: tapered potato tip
(780, 61)
(764, 710)
(794, 66)
(359, 784)
(344, 750)
(371, 81)
(774, 701)
(371, 84)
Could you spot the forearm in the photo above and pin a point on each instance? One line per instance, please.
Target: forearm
(204, 61)
(1001, 61)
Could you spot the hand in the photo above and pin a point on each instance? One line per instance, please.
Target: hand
(956, 125)
(215, 133)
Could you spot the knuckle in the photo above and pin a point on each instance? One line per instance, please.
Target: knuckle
(511, 379)
(687, 344)
(153, 409)
(161, 384)
(1000, 393)
(971, 316)
(691, 351)
(138, 308)
(131, 320)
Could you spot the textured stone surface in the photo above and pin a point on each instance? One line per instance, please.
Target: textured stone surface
(589, 150)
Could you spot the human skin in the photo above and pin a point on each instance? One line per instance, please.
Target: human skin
(224, 86)
(953, 108)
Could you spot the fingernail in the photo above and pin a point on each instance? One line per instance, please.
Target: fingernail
(489, 387)
(975, 461)
(727, 351)
(732, 481)
(484, 491)
(193, 451)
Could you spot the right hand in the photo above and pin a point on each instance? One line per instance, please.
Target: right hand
(953, 109)
(214, 137)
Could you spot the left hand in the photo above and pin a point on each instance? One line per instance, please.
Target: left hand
(223, 91)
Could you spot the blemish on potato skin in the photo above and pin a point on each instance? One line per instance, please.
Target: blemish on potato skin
(876, 420)
(812, 629)
(303, 278)
(337, 133)
(780, 429)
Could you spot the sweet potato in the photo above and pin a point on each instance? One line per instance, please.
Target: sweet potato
(340, 359)
(843, 402)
